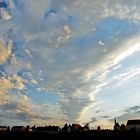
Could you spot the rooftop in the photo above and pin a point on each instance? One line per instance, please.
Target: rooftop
(133, 122)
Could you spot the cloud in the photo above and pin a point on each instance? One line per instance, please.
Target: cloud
(78, 78)
(21, 109)
(28, 52)
(134, 108)
(5, 51)
(129, 113)
(105, 116)
(7, 84)
(67, 33)
(14, 60)
(134, 48)
(92, 120)
(127, 76)
(4, 12)
(19, 82)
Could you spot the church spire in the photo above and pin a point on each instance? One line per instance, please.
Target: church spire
(115, 120)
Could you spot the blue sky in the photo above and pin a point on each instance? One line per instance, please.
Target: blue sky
(71, 61)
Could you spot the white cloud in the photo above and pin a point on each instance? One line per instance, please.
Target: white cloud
(133, 49)
(8, 83)
(5, 86)
(80, 81)
(14, 60)
(101, 43)
(66, 29)
(127, 76)
(19, 82)
(108, 65)
(28, 53)
(64, 37)
(5, 14)
(33, 81)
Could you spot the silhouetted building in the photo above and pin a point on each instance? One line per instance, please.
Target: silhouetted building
(3, 128)
(33, 128)
(133, 125)
(122, 127)
(76, 127)
(48, 129)
(86, 127)
(41, 129)
(116, 125)
(65, 128)
(18, 128)
(28, 128)
(69, 128)
(98, 128)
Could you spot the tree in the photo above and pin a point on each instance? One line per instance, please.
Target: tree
(8, 128)
(86, 127)
(122, 127)
(98, 128)
(65, 128)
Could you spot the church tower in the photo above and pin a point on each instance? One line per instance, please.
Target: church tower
(115, 121)
(116, 125)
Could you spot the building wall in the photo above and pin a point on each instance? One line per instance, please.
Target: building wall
(136, 127)
(3, 129)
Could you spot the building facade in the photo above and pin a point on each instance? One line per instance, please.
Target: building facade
(133, 125)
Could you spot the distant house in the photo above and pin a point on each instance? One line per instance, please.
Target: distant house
(3, 128)
(28, 128)
(18, 128)
(76, 127)
(133, 125)
(69, 129)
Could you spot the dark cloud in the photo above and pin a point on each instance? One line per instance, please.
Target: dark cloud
(73, 107)
(8, 106)
(133, 109)
(106, 117)
(92, 120)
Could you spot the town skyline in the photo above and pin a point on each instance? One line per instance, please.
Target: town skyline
(131, 125)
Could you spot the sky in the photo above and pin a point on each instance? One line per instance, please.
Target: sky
(69, 61)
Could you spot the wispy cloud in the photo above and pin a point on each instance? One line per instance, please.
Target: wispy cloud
(127, 76)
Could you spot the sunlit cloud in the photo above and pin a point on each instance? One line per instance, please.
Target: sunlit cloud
(134, 48)
(5, 51)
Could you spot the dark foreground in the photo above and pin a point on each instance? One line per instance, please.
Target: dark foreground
(94, 135)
